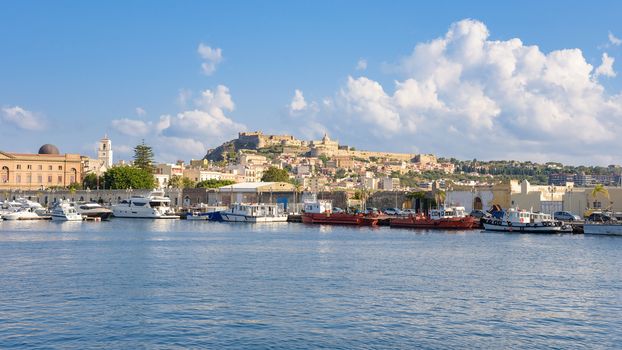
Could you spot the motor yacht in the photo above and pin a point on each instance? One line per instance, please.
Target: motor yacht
(64, 211)
(93, 210)
(154, 206)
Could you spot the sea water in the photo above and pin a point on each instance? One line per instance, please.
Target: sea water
(135, 284)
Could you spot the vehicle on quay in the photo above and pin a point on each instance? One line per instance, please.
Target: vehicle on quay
(64, 211)
(153, 206)
(92, 210)
(524, 221)
(441, 218)
(254, 213)
(566, 216)
(602, 223)
(322, 212)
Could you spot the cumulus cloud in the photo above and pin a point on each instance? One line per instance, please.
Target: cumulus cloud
(614, 40)
(298, 102)
(361, 64)
(606, 67)
(22, 118)
(466, 95)
(140, 111)
(211, 58)
(188, 133)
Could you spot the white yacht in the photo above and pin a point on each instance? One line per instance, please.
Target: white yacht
(523, 221)
(155, 206)
(602, 223)
(64, 211)
(254, 213)
(93, 210)
(23, 214)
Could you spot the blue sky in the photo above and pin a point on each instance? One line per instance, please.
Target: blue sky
(73, 71)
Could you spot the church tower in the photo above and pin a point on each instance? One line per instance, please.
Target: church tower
(104, 153)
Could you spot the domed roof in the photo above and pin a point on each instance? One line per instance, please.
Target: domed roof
(48, 149)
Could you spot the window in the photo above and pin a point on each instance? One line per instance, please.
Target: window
(40, 167)
(60, 167)
(19, 166)
(4, 174)
(50, 179)
(597, 205)
(60, 179)
(49, 167)
(29, 179)
(29, 166)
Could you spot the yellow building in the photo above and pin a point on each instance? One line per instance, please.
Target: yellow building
(48, 168)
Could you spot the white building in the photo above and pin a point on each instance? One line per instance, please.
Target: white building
(104, 154)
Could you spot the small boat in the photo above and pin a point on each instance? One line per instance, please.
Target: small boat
(154, 206)
(321, 212)
(447, 218)
(254, 213)
(64, 211)
(602, 223)
(523, 221)
(204, 212)
(93, 210)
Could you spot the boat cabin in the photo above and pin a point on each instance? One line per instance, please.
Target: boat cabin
(449, 212)
(321, 206)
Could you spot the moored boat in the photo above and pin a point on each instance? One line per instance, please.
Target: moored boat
(154, 206)
(93, 210)
(603, 223)
(523, 221)
(254, 213)
(448, 218)
(321, 212)
(63, 211)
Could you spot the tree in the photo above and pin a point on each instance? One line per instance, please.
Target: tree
(600, 189)
(180, 182)
(439, 198)
(274, 174)
(124, 177)
(92, 181)
(213, 183)
(143, 157)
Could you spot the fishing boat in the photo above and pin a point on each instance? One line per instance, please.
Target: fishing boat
(254, 213)
(446, 218)
(321, 212)
(524, 221)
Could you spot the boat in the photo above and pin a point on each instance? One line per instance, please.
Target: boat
(93, 210)
(602, 223)
(154, 206)
(524, 221)
(321, 212)
(254, 213)
(204, 212)
(445, 218)
(64, 211)
(23, 214)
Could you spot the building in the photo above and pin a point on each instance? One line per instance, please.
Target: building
(45, 169)
(560, 179)
(256, 192)
(104, 155)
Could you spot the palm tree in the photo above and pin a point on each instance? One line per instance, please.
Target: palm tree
(440, 197)
(600, 189)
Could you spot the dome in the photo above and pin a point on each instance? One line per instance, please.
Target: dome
(48, 149)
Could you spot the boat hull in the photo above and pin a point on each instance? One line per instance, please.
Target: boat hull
(602, 229)
(503, 226)
(465, 223)
(231, 217)
(67, 217)
(338, 219)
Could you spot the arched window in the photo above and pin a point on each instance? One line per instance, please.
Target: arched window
(477, 203)
(4, 174)
(74, 175)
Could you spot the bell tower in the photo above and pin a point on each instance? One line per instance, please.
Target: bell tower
(104, 153)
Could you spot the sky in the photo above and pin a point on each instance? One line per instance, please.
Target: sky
(524, 80)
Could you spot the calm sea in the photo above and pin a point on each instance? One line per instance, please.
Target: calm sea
(132, 284)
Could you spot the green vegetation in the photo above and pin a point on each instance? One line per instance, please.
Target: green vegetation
(274, 174)
(124, 177)
(143, 157)
(180, 182)
(92, 181)
(213, 183)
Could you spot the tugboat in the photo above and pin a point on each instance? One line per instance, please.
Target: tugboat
(524, 221)
(321, 212)
(448, 218)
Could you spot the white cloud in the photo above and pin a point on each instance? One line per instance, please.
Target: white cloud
(606, 67)
(211, 58)
(22, 118)
(140, 111)
(188, 133)
(614, 40)
(298, 102)
(361, 64)
(501, 98)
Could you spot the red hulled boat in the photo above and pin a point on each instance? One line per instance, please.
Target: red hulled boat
(321, 212)
(444, 218)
